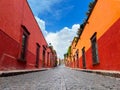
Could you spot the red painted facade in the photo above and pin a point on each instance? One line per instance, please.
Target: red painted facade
(15, 16)
(100, 39)
(108, 50)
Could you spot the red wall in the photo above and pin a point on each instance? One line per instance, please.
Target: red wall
(13, 14)
(108, 50)
(9, 50)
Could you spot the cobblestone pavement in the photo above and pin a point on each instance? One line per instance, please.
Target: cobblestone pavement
(59, 78)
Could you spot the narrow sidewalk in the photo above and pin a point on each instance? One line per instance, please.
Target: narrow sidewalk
(17, 72)
(102, 72)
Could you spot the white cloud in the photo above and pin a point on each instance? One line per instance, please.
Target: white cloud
(61, 39)
(41, 24)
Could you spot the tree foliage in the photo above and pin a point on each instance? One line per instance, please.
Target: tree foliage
(80, 30)
(91, 6)
(69, 50)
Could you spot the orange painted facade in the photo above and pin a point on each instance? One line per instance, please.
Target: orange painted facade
(104, 22)
(16, 20)
(73, 51)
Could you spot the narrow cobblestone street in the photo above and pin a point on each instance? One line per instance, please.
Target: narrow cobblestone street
(59, 78)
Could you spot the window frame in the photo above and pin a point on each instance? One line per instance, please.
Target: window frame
(48, 55)
(77, 57)
(94, 47)
(37, 55)
(43, 56)
(23, 50)
(83, 58)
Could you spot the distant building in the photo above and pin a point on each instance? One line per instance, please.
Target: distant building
(98, 45)
(22, 44)
(53, 57)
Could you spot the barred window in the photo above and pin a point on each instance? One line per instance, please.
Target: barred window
(37, 54)
(94, 49)
(24, 42)
(83, 58)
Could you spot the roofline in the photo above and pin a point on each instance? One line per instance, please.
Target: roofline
(36, 21)
(91, 12)
(73, 40)
(86, 22)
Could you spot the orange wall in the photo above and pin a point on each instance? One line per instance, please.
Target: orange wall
(105, 20)
(105, 13)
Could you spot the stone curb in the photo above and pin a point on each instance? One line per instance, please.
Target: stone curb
(115, 74)
(18, 72)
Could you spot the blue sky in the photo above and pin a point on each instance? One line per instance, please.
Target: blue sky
(64, 14)
(59, 20)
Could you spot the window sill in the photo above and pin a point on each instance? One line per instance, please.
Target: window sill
(36, 66)
(97, 63)
(84, 67)
(22, 60)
